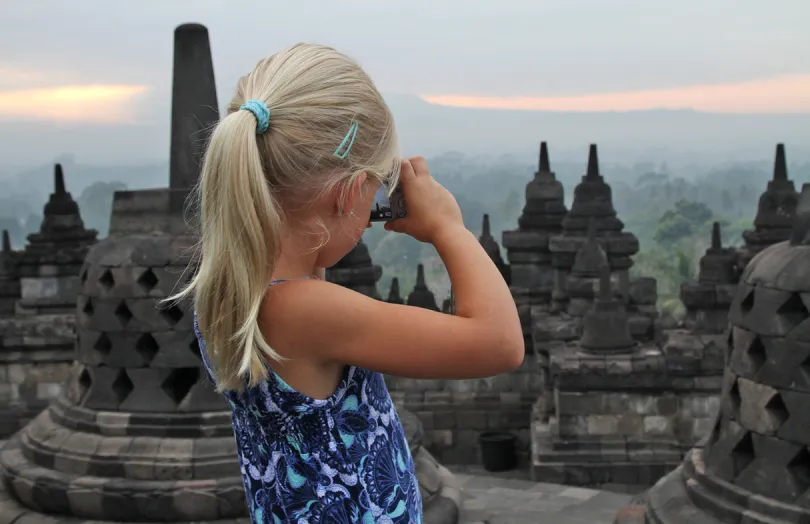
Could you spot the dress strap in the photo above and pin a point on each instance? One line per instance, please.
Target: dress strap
(285, 280)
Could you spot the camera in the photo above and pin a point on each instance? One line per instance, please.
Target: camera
(384, 208)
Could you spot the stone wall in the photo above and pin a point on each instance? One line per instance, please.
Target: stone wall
(622, 421)
(36, 355)
(455, 412)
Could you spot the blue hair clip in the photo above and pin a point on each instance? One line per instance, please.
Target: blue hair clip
(261, 112)
(349, 138)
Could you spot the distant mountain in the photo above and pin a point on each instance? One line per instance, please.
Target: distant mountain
(676, 137)
(659, 135)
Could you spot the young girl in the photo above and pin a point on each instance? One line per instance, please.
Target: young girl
(286, 190)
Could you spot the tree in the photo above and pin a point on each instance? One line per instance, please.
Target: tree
(672, 229)
(685, 220)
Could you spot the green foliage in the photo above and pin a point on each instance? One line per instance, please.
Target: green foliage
(685, 220)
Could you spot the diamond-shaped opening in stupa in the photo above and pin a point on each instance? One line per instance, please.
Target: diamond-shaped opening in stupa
(172, 314)
(747, 303)
(179, 382)
(147, 347)
(735, 400)
(756, 354)
(103, 345)
(194, 346)
(742, 455)
(799, 470)
(122, 386)
(85, 381)
(106, 280)
(793, 311)
(83, 278)
(123, 314)
(804, 368)
(777, 411)
(88, 307)
(148, 280)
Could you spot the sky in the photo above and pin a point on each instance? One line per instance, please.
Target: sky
(102, 61)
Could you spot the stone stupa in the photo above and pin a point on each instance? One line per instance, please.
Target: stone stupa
(754, 466)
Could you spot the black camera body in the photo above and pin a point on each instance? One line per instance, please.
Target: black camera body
(384, 209)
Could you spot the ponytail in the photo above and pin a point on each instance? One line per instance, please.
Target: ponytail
(241, 240)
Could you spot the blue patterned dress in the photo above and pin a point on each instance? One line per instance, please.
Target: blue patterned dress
(335, 461)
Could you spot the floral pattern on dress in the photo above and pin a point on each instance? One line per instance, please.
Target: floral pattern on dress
(335, 461)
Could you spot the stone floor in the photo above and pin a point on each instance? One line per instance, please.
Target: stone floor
(510, 499)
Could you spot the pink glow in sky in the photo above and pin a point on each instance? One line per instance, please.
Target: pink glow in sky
(785, 94)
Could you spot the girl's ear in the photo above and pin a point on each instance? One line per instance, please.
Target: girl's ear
(347, 196)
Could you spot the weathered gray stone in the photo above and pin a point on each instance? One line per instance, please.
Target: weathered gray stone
(775, 212)
(757, 447)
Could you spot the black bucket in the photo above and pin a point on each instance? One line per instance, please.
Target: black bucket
(498, 450)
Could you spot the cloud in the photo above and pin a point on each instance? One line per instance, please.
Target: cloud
(785, 94)
(113, 104)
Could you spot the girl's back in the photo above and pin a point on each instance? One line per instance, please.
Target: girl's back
(337, 460)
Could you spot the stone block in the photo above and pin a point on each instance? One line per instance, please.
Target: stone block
(572, 425)
(643, 405)
(696, 295)
(17, 373)
(641, 326)
(658, 425)
(701, 405)
(510, 398)
(48, 390)
(444, 420)
(759, 411)
(580, 402)
(643, 290)
(442, 438)
(427, 418)
(667, 405)
(630, 425)
(615, 402)
(476, 420)
(619, 365)
(437, 397)
(710, 383)
(8, 393)
(603, 424)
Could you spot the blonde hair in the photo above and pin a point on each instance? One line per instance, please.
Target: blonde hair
(315, 94)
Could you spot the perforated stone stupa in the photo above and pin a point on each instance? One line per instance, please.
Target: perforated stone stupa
(139, 434)
(754, 466)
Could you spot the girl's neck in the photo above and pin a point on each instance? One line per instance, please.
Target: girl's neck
(297, 260)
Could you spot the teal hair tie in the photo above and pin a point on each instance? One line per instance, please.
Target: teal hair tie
(261, 112)
(348, 139)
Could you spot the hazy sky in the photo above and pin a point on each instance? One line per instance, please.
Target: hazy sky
(105, 60)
